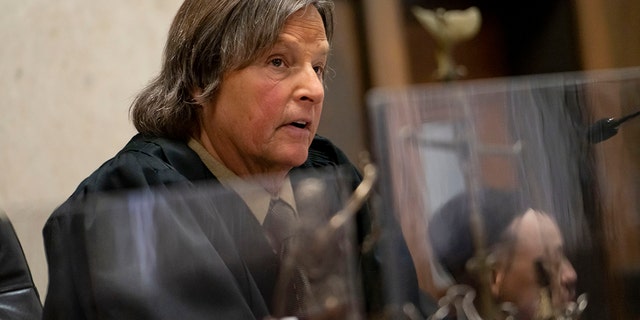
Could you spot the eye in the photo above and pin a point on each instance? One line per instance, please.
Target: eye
(319, 70)
(277, 62)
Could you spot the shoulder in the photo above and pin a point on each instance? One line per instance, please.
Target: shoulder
(325, 157)
(143, 162)
(323, 152)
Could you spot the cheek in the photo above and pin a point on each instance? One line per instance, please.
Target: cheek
(318, 112)
(269, 101)
(262, 115)
(520, 284)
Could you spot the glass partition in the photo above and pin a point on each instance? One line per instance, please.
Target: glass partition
(563, 145)
(196, 251)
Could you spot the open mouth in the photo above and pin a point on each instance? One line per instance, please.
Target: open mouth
(299, 124)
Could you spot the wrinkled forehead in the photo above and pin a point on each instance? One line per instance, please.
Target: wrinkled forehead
(304, 25)
(305, 21)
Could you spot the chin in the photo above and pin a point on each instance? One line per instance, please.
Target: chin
(298, 160)
(293, 158)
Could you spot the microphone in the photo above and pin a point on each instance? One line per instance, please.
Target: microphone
(604, 129)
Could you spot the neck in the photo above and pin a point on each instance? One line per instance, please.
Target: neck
(270, 180)
(272, 183)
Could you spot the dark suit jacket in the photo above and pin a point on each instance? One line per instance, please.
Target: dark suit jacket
(145, 237)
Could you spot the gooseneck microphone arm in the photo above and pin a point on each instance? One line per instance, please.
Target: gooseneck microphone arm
(604, 129)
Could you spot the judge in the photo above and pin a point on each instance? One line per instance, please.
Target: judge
(239, 96)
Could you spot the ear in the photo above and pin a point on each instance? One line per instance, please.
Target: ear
(195, 94)
(497, 279)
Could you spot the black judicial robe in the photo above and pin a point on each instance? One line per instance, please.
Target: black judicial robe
(109, 258)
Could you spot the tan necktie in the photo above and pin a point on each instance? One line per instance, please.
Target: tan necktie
(280, 226)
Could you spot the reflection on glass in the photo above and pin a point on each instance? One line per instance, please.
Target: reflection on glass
(528, 135)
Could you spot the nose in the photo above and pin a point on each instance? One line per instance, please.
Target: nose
(310, 89)
(568, 276)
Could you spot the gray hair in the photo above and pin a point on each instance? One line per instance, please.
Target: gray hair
(207, 39)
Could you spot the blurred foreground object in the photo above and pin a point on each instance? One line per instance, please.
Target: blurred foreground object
(448, 28)
(526, 133)
(196, 251)
(604, 129)
(321, 254)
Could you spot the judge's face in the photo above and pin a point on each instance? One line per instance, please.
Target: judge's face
(265, 115)
(537, 238)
